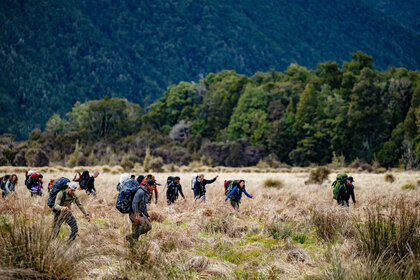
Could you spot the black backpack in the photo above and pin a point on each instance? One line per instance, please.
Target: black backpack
(3, 181)
(126, 195)
(84, 178)
(59, 184)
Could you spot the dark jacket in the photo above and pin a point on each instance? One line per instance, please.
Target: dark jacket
(200, 187)
(91, 184)
(344, 193)
(236, 193)
(139, 204)
(174, 190)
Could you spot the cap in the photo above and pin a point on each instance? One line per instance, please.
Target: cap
(72, 185)
(177, 178)
(151, 182)
(350, 179)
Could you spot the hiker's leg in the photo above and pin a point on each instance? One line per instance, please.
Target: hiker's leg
(58, 221)
(144, 226)
(345, 203)
(71, 221)
(234, 203)
(134, 226)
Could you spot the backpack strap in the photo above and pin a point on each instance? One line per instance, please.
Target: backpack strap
(64, 197)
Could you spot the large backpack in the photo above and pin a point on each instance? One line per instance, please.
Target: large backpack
(194, 179)
(125, 197)
(58, 185)
(3, 181)
(229, 184)
(83, 179)
(30, 178)
(341, 177)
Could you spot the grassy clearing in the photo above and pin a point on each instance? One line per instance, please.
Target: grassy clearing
(296, 231)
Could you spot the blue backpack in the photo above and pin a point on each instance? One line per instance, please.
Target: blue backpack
(59, 184)
(125, 197)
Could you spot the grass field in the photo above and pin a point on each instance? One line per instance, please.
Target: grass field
(291, 230)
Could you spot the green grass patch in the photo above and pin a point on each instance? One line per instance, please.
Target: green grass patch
(408, 187)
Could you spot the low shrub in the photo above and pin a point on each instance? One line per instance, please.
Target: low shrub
(273, 183)
(389, 178)
(318, 175)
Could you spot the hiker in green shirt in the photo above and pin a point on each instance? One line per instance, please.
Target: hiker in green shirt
(62, 210)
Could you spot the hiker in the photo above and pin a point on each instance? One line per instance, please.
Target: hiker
(235, 194)
(62, 209)
(133, 200)
(90, 187)
(346, 190)
(124, 177)
(140, 179)
(151, 186)
(133, 177)
(200, 187)
(8, 184)
(36, 188)
(174, 188)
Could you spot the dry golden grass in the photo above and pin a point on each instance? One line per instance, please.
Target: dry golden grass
(280, 234)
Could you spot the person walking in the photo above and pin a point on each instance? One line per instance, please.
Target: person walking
(235, 194)
(62, 210)
(174, 188)
(36, 188)
(10, 185)
(90, 188)
(139, 218)
(200, 187)
(345, 191)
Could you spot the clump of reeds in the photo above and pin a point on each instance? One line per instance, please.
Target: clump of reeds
(30, 250)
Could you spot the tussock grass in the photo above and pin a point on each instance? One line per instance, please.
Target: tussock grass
(29, 249)
(328, 222)
(389, 178)
(391, 232)
(273, 183)
(318, 175)
(263, 240)
(408, 187)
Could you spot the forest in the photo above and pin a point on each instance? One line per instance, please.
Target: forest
(54, 53)
(346, 114)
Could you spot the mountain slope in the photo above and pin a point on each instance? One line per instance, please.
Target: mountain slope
(54, 53)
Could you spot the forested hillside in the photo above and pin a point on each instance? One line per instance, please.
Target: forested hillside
(340, 114)
(405, 12)
(54, 53)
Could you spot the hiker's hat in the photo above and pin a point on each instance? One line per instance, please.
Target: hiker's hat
(72, 185)
(350, 179)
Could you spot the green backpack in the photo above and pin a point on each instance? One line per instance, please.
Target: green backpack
(341, 177)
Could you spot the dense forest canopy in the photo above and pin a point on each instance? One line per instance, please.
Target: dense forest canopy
(297, 117)
(55, 53)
